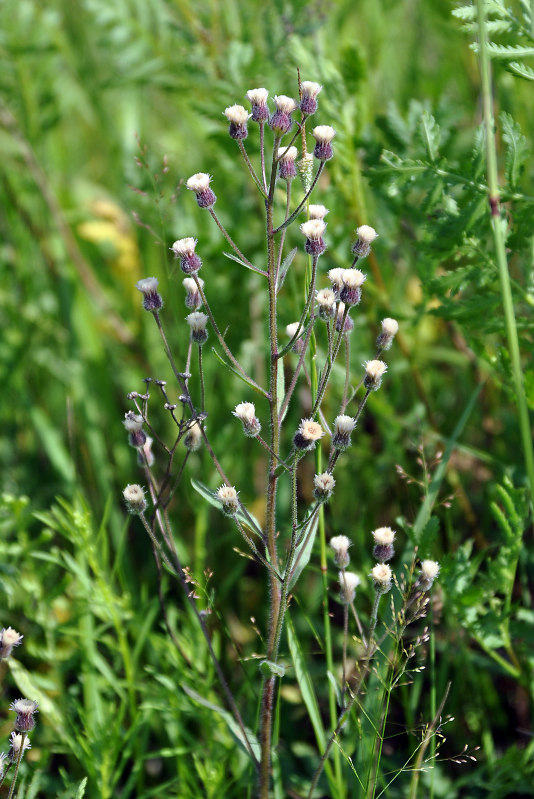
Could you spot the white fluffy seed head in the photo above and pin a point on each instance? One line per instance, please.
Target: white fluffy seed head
(323, 134)
(317, 211)
(285, 104)
(310, 88)
(147, 285)
(324, 482)
(326, 298)
(291, 329)
(237, 114)
(199, 182)
(197, 320)
(257, 96)
(313, 229)
(227, 494)
(429, 569)
(366, 233)
(184, 247)
(287, 153)
(133, 422)
(134, 497)
(381, 574)
(245, 412)
(340, 544)
(348, 583)
(193, 437)
(24, 706)
(390, 327)
(344, 425)
(336, 277)
(352, 278)
(190, 286)
(9, 638)
(375, 369)
(383, 536)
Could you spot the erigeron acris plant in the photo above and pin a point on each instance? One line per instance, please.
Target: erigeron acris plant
(283, 546)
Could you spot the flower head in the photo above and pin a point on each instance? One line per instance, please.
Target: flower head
(390, 328)
(24, 708)
(335, 276)
(326, 300)
(228, 497)
(184, 249)
(348, 583)
(383, 549)
(323, 486)
(193, 437)
(382, 576)
(374, 371)
(197, 322)
(340, 544)
(281, 121)
(343, 427)
(366, 236)
(193, 298)
(286, 163)
(246, 413)
(317, 211)
(133, 423)
(308, 433)
(148, 286)
(343, 320)
(237, 116)
(323, 135)
(310, 90)
(258, 100)
(351, 283)
(313, 229)
(429, 572)
(15, 741)
(8, 639)
(134, 497)
(200, 184)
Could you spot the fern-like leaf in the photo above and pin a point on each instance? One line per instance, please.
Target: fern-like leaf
(517, 148)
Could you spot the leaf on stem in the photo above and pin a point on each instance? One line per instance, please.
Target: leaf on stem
(284, 268)
(304, 550)
(245, 518)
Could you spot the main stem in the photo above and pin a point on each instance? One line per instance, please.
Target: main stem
(498, 228)
(270, 521)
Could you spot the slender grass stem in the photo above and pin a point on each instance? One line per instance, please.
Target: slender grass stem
(498, 225)
(251, 169)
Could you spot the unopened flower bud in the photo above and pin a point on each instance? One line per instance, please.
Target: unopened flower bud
(374, 371)
(258, 100)
(362, 246)
(200, 184)
(323, 135)
(352, 281)
(8, 639)
(343, 427)
(348, 583)
(286, 164)
(323, 486)
(228, 497)
(148, 286)
(340, 544)
(308, 433)
(198, 321)
(348, 324)
(326, 301)
(134, 497)
(24, 708)
(381, 574)
(317, 211)
(184, 249)
(383, 549)
(313, 229)
(133, 423)
(390, 328)
(15, 744)
(237, 116)
(193, 298)
(429, 572)
(281, 121)
(193, 437)
(246, 413)
(310, 90)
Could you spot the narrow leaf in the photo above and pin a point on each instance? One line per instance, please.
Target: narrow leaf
(280, 387)
(304, 550)
(236, 372)
(231, 723)
(521, 70)
(305, 683)
(242, 263)
(430, 134)
(284, 268)
(246, 518)
(517, 149)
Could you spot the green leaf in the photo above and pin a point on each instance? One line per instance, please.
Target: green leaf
(231, 723)
(239, 261)
(236, 372)
(304, 550)
(430, 135)
(517, 148)
(280, 389)
(521, 70)
(284, 268)
(509, 51)
(246, 518)
(270, 669)
(305, 683)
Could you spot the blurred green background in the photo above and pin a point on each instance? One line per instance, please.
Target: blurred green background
(105, 111)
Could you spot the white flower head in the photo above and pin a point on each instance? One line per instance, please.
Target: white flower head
(348, 583)
(237, 114)
(199, 182)
(313, 229)
(287, 153)
(323, 134)
(184, 247)
(257, 96)
(317, 211)
(284, 104)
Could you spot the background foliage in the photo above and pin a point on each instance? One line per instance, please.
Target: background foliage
(104, 112)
